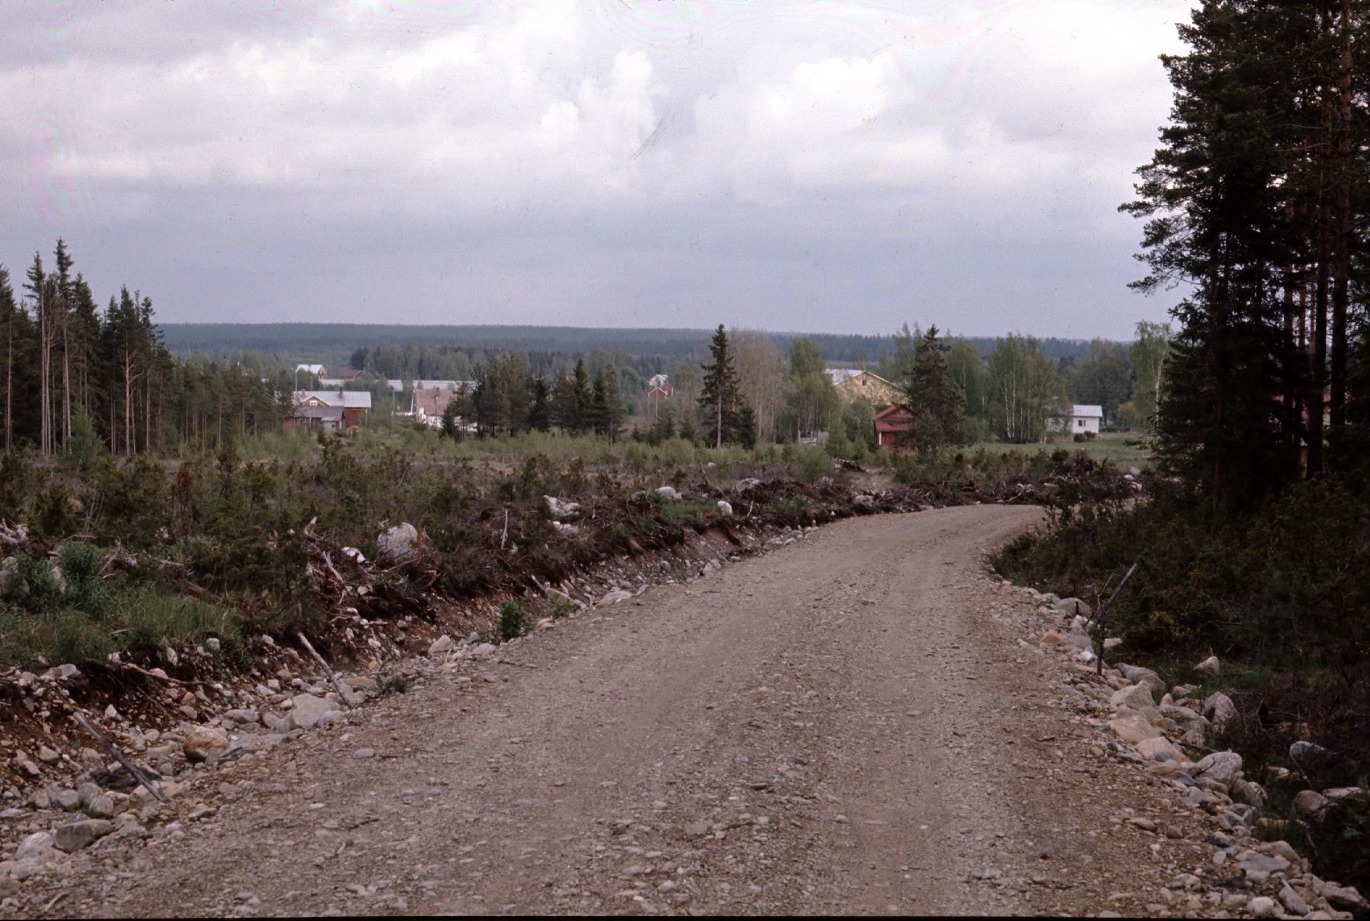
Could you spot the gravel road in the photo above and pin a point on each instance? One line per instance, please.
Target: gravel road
(851, 724)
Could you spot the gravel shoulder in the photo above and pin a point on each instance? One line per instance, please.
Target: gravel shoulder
(859, 723)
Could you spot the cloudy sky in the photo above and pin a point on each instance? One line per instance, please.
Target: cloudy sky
(795, 166)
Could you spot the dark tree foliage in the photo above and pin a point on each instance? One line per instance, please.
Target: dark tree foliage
(720, 401)
(540, 412)
(1256, 200)
(938, 404)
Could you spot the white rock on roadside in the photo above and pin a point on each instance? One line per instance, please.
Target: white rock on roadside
(307, 711)
(33, 855)
(1223, 767)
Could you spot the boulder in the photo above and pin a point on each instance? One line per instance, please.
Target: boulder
(81, 833)
(399, 544)
(1138, 675)
(1252, 862)
(441, 645)
(1219, 708)
(1246, 791)
(1209, 666)
(1221, 767)
(1133, 728)
(1134, 697)
(1345, 898)
(198, 741)
(1070, 607)
(725, 508)
(1293, 902)
(1310, 804)
(668, 493)
(614, 597)
(1159, 748)
(308, 711)
(33, 855)
(66, 800)
(561, 508)
(1308, 752)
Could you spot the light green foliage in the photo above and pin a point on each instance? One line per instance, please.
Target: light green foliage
(812, 462)
(967, 369)
(1024, 392)
(812, 405)
(1148, 355)
(68, 612)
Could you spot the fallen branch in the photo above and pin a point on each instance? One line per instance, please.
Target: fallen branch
(327, 561)
(129, 766)
(1101, 620)
(159, 675)
(551, 594)
(328, 670)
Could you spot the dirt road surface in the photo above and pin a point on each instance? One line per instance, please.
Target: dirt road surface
(850, 725)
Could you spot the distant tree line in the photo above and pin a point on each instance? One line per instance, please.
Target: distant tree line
(73, 376)
(650, 351)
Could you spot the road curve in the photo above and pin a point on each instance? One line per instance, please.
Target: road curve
(847, 725)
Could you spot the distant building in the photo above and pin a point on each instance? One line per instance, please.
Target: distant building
(429, 403)
(891, 423)
(659, 388)
(425, 384)
(1083, 418)
(853, 383)
(338, 378)
(327, 410)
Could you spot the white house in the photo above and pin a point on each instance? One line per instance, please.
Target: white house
(1084, 418)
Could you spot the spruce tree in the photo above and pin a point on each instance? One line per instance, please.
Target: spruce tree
(938, 404)
(719, 400)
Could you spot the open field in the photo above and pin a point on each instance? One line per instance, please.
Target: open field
(1122, 449)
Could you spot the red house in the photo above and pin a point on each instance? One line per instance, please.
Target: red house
(661, 388)
(890, 423)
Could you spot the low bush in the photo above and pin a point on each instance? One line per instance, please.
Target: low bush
(513, 620)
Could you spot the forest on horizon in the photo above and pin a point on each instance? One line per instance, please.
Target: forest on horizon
(337, 342)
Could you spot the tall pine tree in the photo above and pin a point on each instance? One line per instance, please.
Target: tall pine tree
(1253, 201)
(719, 399)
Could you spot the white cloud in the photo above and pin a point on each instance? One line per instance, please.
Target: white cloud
(820, 128)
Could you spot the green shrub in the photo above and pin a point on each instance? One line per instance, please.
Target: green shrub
(513, 620)
(559, 607)
(84, 591)
(813, 462)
